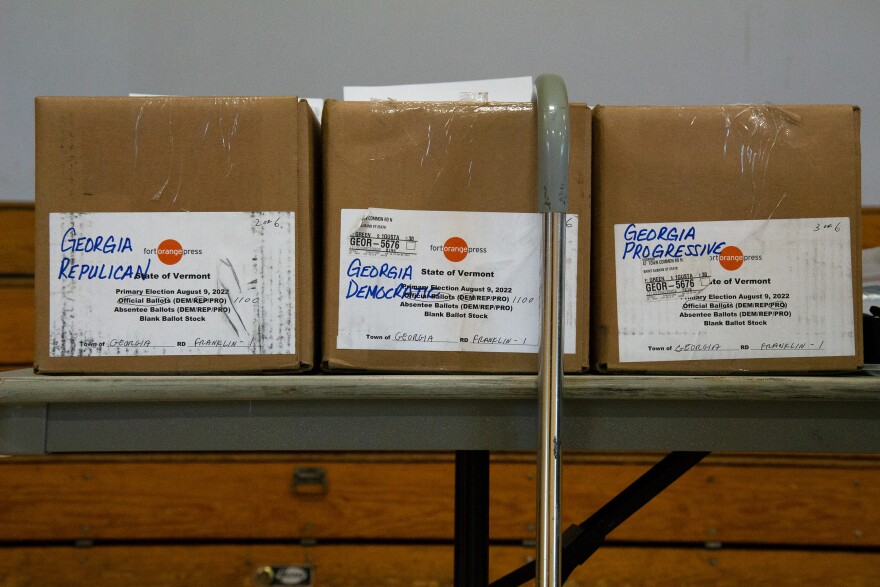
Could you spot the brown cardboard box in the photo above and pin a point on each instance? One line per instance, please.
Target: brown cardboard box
(131, 191)
(762, 166)
(392, 157)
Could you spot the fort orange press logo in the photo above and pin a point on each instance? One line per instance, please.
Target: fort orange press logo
(169, 251)
(455, 249)
(731, 258)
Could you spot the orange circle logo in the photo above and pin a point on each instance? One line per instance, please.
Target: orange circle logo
(169, 251)
(455, 249)
(731, 258)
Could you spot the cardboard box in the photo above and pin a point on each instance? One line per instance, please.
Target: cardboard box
(726, 239)
(432, 242)
(174, 235)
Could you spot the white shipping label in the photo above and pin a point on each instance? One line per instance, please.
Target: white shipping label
(171, 283)
(734, 290)
(447, 281)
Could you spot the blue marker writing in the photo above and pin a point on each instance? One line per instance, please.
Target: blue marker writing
(642, 243)
(100, 244)
(357, 269)
(71, 270)
(105, 245)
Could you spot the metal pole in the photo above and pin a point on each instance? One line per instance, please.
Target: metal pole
(550, 378)
(553, 152)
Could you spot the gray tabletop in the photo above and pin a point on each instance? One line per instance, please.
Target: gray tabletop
(89, 413)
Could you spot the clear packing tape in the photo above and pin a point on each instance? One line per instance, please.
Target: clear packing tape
(750, 137)
(168, 152)
(752, 133)
(165, 128)
(448, 138)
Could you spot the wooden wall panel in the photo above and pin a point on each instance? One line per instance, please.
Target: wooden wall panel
(241, 500)
(783, 504)
(17, 323)
(16, 239)
(420, 566)
(820, 501)
(16, 285)
(870, 228)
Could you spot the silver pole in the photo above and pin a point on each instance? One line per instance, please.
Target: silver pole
(553, 159)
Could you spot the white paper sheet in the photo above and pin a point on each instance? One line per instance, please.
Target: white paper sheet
(513, 89)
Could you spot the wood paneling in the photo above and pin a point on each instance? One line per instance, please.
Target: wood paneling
(230, 500)
(420, 566)
(16, 239)
(714, 502)
(16, 285)
(17, 323)
(819, 501)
